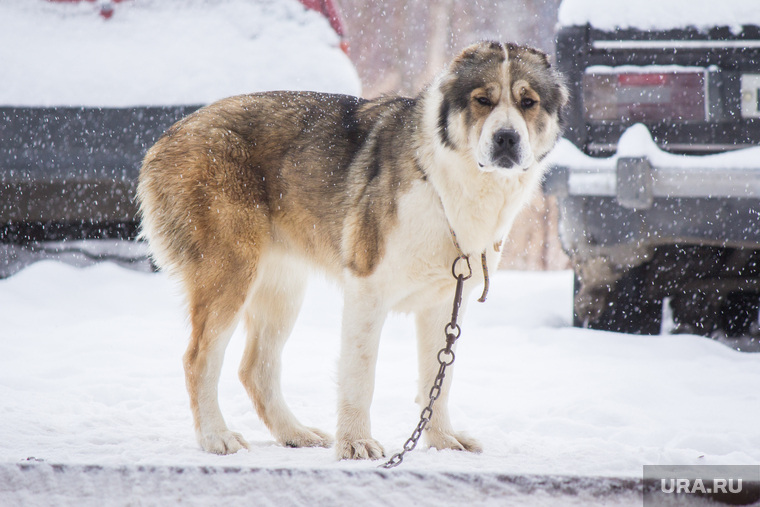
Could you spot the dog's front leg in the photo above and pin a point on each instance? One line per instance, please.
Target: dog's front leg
(431, 339)
(363, 318)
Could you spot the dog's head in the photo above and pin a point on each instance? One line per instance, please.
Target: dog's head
(502, 103)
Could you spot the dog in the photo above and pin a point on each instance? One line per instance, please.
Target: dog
(242, 198)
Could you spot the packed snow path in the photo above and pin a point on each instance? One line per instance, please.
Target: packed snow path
(91, 383)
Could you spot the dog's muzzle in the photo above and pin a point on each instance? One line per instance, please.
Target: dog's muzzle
(505, 151)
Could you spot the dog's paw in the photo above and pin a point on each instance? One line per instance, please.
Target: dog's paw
(306, 437)
(456, 441)
(223, 442)
(366, 448)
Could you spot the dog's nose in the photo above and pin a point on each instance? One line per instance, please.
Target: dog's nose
(506, 143)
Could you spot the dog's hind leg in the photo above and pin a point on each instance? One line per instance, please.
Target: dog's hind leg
(215, 304)
(430, 340)
(269, 317)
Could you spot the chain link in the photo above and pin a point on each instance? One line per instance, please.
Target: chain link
(445, 358)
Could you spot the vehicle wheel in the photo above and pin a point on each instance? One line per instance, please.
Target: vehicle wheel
(739, 312)
(695, 313)
(628, 309)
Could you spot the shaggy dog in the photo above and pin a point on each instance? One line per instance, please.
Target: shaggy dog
(243, 197)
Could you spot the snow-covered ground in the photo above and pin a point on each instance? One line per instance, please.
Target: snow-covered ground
(91, 381)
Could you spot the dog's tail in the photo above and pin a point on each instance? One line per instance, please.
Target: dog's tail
(165, 221)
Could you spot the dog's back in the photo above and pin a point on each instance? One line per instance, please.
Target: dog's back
(253, 169)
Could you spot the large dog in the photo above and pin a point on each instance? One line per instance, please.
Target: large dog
(243, 197)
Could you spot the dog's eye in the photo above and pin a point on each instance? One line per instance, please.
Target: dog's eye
(527, 103)
(484, 101)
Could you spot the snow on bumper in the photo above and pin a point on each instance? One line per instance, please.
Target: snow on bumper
(640, 171)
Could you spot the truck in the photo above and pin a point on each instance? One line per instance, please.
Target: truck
(658, 177)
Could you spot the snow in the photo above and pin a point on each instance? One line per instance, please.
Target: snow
(729, 174)
(659, 14)
(91, 382)
(637, 141)
(165, 52)
(642, 69)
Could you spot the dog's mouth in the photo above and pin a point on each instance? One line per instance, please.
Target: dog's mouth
(486, 168)
(501, 166)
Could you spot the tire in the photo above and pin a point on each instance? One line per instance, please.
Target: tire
(628, 307)
(734, 314)
(694, 313)
(738, 313)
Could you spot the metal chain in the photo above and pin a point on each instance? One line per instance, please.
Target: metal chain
(445, 359)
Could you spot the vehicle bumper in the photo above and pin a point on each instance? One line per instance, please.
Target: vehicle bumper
(642, 196)
(621, 212)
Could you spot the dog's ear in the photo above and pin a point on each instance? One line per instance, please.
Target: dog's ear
(540, 55)
(564, 95)
(556, 92)
(562, 91)
(479, 52)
